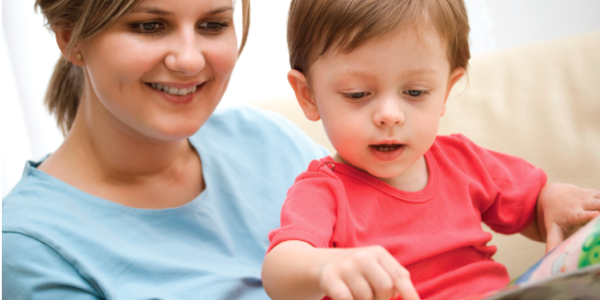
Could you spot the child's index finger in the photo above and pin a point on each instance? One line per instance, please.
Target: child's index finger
(406, 290)
(401, 277)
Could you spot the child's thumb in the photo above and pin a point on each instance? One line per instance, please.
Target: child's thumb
(555, 236)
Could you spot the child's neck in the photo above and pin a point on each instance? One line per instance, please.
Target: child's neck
(413, 179)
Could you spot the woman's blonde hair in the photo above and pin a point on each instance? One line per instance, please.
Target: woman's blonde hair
(314, 26)
(86, 19)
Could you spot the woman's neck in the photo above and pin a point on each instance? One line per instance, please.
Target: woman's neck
(105, 158)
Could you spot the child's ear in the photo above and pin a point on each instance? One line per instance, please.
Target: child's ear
(455, 76)
(63, 37)
(305, 99)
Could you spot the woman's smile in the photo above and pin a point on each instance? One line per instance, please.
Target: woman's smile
(170, 89)
(177, 93)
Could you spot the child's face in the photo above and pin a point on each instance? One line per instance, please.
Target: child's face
(381, 103)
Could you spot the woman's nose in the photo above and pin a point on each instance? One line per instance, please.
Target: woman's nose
(388, 112)
(186, 56)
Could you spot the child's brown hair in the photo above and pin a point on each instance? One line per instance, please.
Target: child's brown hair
(314, 26)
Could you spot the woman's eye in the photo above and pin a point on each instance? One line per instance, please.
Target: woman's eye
(212, 26)
(356, 95)
(148, 27)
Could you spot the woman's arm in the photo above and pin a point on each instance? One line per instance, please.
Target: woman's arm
(297, 270)
(32, 270)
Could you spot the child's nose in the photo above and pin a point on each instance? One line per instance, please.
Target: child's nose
(388, 112)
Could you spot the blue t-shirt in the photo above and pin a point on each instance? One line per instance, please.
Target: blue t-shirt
(59, 242)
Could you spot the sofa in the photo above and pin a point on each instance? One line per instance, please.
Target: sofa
(540, 102)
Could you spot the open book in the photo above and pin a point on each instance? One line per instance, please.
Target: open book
(569, 271)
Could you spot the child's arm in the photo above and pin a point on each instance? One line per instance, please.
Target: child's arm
(297, 270)
(560, 208)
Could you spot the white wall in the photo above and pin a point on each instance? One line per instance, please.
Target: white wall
(28, 57)
(261, 71)
(28, 54)
(519, 22)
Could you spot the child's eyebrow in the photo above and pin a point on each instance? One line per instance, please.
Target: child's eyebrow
(420, 72)
(366, 74)
(353, 72)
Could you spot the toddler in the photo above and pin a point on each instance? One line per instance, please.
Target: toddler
(397, 211)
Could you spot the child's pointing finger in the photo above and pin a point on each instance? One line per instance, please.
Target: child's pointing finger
(401, 277)
(406, 289)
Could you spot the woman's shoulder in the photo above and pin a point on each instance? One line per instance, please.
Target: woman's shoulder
(247, 126)
(39, 210)
(27, 196)
(247, 113)
(47, 209)
(245, 119)
(39, 201)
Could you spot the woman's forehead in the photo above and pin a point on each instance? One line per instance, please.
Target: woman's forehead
(165, 7)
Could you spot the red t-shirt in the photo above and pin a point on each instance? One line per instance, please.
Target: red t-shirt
(434, 233)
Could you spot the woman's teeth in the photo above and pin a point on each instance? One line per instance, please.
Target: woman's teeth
(172, 90)
(386, 148)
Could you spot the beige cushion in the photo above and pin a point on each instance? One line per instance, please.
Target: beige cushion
(540, 102)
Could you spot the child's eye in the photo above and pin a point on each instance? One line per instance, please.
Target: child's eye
(415, 93)
(356, 95)
(148, 27)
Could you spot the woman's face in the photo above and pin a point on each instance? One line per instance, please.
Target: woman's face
(161, 70)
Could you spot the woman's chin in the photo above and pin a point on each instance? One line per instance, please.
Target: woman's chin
(171, 131)
(172, 134)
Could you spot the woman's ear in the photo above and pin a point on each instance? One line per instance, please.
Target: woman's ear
(307, 102)
(63, 37)
(455, 76)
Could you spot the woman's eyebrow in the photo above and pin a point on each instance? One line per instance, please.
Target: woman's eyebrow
(219, 10)
(150, 10)
(161, 12)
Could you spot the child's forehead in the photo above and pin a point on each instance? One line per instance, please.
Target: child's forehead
(408, 36)
(393, 45)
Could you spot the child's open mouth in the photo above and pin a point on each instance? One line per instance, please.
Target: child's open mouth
(387, 152)
(386, 148)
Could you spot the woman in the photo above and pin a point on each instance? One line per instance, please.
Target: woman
(151, 195)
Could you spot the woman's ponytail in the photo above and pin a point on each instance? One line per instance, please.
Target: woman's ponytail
(64, 92)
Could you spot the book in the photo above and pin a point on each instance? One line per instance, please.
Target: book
(568, 272)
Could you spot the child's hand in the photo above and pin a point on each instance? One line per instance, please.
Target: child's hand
(297, 270)
(365, 273)
(561, 207)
